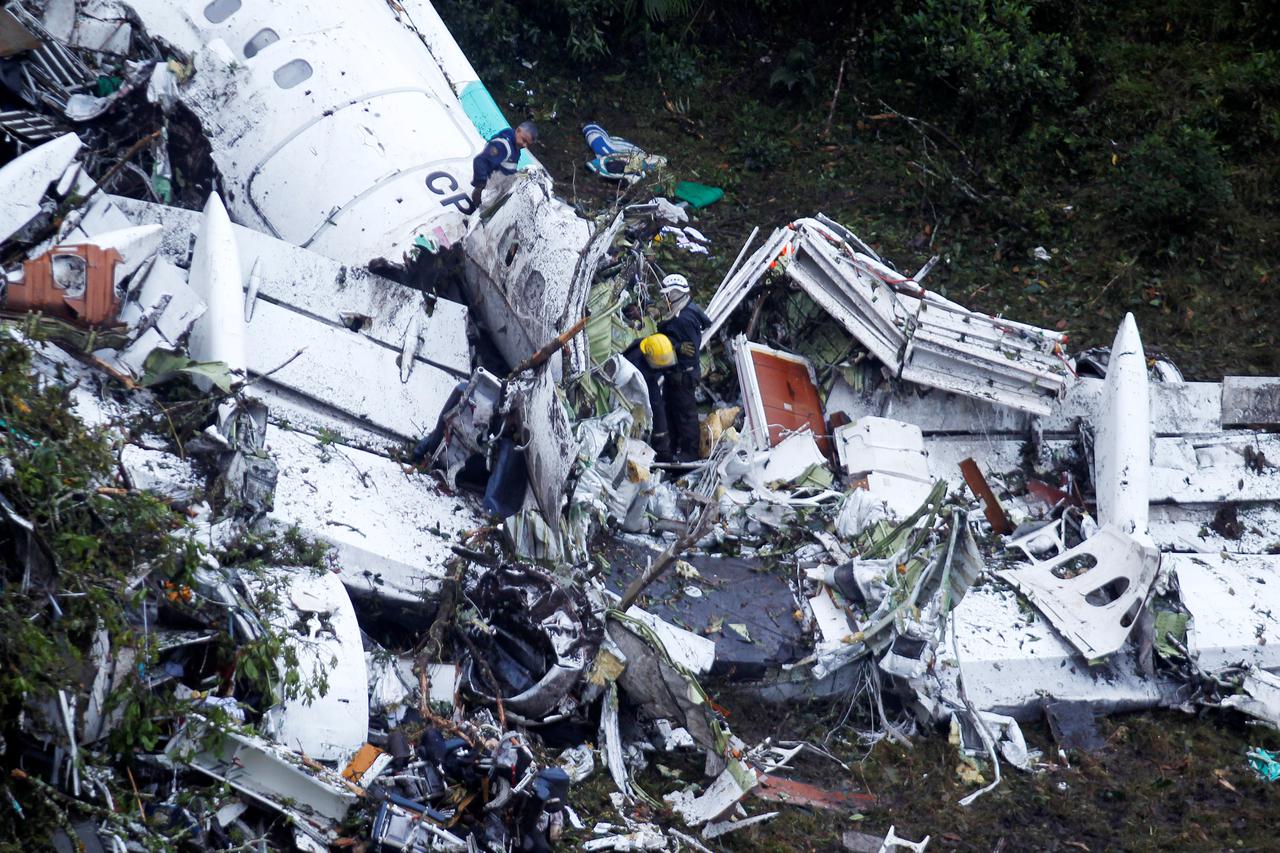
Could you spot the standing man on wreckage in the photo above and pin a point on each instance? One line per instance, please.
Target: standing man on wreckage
(501, 154)
(683, 322)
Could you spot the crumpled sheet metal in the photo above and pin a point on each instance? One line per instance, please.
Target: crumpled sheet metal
(1011, 659)
(552, 447)
(314, 798)
(919, 336)
(925, 604)
(663, 690)
(1097, 608)
(316, 614)
(529, 271)
(540, 637)
(25, 180)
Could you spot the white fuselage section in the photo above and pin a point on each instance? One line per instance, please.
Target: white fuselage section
(333, 126)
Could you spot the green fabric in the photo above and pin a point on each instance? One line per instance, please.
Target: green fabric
(698, 195)
(1169, 622)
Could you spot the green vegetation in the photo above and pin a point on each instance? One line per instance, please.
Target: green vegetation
(106, 563)
(1137, 144)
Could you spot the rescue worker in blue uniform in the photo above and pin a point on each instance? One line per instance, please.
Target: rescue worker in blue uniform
(501, 154)
(683, 324)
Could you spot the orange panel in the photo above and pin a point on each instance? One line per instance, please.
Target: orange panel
(790, 398)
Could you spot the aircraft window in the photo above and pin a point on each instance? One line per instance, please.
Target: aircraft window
(261, 39)
(219, 10)
(292, 73)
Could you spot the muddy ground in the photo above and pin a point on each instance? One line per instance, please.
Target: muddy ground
(1165, 780)
(778, 159)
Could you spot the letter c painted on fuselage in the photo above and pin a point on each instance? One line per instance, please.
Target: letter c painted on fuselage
(462, 201)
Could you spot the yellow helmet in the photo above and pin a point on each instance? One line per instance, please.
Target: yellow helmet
(658, 351)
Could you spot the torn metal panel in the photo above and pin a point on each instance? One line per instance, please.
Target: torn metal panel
(1260, 696)
(1012, 657)
(159, 310)
(335, 293)
(552, 447)
(1251, 401)
(391, 534)
(316, 616)
(1177, 408)
(25, 180)
(884, 445)
(313, 797)
(1122, 450)
(1092, 593)
(14, 37)
(1232, 600)
(530, 265)
(391, 138)
(793, 458)
(779, 394)
(917, 335)
(692, 651)
(728, 789)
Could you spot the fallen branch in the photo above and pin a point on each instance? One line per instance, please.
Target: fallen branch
(669, 556)
(831, 114)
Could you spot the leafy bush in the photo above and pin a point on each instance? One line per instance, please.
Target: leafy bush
(988, 53)
(761, 150)
(1173, 181)
(795, 74)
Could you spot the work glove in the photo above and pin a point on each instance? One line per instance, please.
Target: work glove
(475, 197)
(688, 350)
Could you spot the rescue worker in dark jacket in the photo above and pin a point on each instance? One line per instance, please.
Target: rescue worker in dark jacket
(655, 357)
(684, 324)
(501, 154)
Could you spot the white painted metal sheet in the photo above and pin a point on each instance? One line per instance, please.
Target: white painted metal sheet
(25, 180)
(1012, 658)
(1235, 607)
(326, 289)
(219, 333)
(391, 532)
(1122, 423)
(316, 616)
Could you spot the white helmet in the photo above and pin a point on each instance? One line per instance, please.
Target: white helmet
(674, 286)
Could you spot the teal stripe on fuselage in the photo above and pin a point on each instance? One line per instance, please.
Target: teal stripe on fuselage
(485, 114)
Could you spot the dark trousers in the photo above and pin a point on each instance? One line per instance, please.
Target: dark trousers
(659, 439)
(682, 413)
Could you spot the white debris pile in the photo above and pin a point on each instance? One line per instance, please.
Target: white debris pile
(427, 524)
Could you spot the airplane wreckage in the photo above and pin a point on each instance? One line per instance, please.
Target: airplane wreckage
(941, 514)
